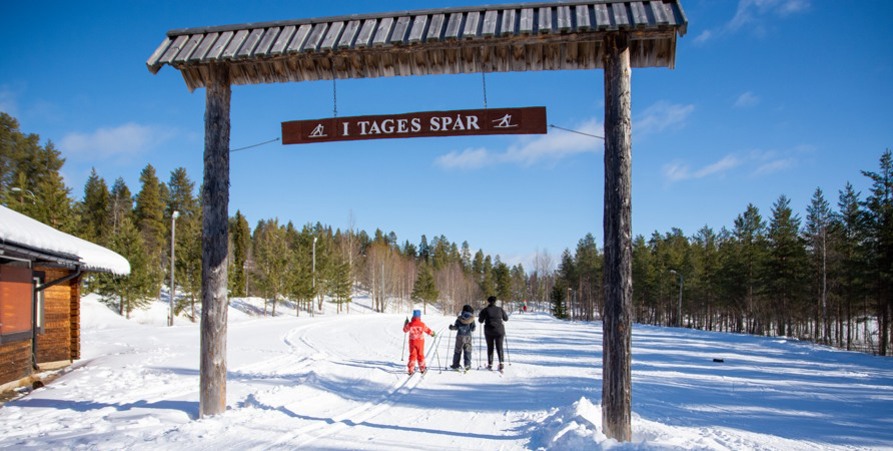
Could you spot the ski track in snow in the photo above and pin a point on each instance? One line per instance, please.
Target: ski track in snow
(335, 382)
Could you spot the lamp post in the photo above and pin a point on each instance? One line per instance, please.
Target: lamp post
(174, 216)
(314, 275)
(679, 307)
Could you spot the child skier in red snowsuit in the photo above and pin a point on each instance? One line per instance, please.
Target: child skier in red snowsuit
(417, 330)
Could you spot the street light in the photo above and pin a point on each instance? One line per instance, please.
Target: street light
(679, 307)
(174, 216)
(314, 274)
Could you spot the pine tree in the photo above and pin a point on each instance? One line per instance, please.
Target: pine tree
(120, 205)
(878, 208)
(557, 298)
(519, 283)
(488, 281)
(589, 270)
(188, 246)
(149, 212)
(424, 289)
(240, 238)
(704, 282)
(30, 177)
(95, 211)
(786, 265)
(271, 260)
(465, 255)
(424, 250)
(503, 280)
(743, 263)
(853, 284)
(818, 234)
(133, 291)
(299, 277)
(340, 288)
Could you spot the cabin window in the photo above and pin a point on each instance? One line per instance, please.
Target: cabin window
(16, 288)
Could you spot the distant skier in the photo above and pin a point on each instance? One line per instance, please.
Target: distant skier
(417, 330)
(493, 316)
(464, 326)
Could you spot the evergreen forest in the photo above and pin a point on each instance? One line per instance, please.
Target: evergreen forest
(827, 277)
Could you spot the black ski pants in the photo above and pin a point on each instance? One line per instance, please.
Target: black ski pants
(494, 340)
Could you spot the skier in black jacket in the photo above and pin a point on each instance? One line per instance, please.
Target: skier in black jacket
(494, 331)
(464, 326)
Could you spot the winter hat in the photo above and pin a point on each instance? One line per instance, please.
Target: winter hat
(467, 308)
(491, 299)
(416, 313)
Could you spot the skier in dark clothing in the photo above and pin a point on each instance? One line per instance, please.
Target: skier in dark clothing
(463, 326)
(494, 331)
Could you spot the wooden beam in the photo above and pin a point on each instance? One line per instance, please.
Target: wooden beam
(215, 223)
(617, 324)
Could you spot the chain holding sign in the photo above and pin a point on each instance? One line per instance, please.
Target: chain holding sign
(494, 121)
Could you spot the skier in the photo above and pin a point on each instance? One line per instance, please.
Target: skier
(417, 330)
(493, 316)
(464, 326)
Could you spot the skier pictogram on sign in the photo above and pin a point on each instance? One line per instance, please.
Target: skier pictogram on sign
(504, 122)
(319, 132)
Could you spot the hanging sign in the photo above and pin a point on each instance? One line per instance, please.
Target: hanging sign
(494, 121)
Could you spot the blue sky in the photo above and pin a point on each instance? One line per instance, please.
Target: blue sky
(768, 97)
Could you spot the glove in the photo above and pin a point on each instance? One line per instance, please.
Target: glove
(433, 334)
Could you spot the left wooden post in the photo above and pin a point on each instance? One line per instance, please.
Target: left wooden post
(215, 234)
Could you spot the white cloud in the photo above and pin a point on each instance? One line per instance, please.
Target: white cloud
(756, 163)
(676, 172)
(754, 16)
(747, 99)
(775, 166)
(466, 159)
(754, 12)
(705, 36)
(552, 147)
(661, 116)
(121, 141)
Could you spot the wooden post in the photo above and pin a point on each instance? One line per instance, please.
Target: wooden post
(616, 327)
(215, 218)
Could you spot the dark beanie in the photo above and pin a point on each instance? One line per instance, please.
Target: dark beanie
(491, 299)
(467, 308)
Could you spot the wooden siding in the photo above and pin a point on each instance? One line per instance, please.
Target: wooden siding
(496, 38)
(75, 319)
(15, 361)
(54, 344)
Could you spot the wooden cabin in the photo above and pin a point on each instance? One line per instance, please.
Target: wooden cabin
(40, 274)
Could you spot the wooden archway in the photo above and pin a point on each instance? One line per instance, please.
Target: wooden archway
(615, 35)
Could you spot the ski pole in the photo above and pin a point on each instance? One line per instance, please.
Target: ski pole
(403, 353)
(437, 352)
(480, 351)
(508, 355)
(449, 340)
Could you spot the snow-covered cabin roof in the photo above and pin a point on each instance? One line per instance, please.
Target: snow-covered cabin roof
(31, 237)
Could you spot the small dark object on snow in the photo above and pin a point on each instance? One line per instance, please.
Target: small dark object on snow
(718, 360)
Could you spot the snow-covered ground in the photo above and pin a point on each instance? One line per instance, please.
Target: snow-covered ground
(338, 382)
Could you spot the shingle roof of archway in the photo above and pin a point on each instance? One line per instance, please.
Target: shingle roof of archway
(496, 38)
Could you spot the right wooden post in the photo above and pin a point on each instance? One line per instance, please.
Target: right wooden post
(617, 324)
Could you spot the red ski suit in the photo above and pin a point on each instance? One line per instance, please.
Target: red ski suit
(417, 330)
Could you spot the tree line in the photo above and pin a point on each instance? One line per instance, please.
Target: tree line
(827, 279)
(300, 266)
